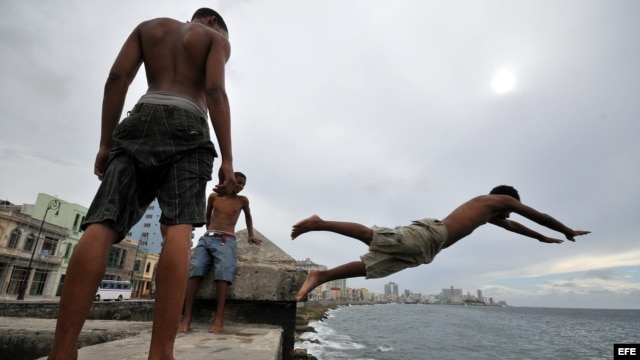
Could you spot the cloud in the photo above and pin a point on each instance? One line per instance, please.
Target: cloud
(604, 274)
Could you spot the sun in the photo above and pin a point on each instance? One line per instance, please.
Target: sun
(503, 81)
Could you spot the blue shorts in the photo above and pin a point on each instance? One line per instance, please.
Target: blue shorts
(215, 248)
(159, 151)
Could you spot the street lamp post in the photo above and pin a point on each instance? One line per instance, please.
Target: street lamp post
(53, 205)
(135, 258)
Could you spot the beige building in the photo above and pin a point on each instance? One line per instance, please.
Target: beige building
(144, 275)
(121, 259)
(31, 251)
(36, 243)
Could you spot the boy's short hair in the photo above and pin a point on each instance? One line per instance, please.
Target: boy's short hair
(206, 12)
(238, 173)
(505, 190)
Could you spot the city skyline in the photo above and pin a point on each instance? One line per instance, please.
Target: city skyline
(394, 288)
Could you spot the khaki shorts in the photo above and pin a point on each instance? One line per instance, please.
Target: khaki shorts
(392, 250)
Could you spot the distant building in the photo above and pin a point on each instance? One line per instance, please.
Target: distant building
(365, 295)
(45, 234)
(361, 294)
(320, 292)
(144, 274)
(391, 292)
(58, 223)
(335, 290)
(70, 216)
(31, 250)
(416, 297)
(451, 295)
(147, 230)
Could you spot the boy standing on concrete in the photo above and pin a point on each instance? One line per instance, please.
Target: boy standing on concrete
(162, 150)
(217, 248)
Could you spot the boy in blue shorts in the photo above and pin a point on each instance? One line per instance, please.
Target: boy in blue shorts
(217, 248)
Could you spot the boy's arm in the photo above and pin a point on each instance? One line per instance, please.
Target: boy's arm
(219, 112)
(212, 198)
(122, 73)
(249, 222)
(523, 230)
(544, 220)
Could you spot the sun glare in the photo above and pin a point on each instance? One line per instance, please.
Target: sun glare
(503, 81)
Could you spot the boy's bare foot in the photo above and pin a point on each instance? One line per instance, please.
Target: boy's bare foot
(217, 327)
(305, 225)
(313, 280)
(185, 325)
(72, 355)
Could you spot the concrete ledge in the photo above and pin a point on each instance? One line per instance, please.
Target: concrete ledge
(263, 291)
(130, 310)
(240, 341)
(265, 273)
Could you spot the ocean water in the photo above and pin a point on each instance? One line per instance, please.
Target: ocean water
(394, 331)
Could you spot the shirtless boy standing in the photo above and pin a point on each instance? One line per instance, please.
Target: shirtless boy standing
(162, 150)
(217, 248)
(392, 250)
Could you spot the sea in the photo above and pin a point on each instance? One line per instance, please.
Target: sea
(422, 331)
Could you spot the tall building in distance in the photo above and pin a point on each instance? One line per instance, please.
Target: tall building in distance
(147, 230)
(451, 295)
(391, 291)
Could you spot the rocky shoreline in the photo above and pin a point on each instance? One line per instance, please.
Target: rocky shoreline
(305, 315)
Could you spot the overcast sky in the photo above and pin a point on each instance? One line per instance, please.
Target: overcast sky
(379, 112)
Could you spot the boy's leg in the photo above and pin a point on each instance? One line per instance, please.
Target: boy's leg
(318, 277)
(350, 229)
(85, 271)
(171, 285)
(193, 285)
(221, 294)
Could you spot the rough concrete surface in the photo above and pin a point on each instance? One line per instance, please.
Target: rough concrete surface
(120, 340)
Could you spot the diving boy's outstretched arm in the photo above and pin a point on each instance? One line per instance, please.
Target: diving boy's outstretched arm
(518, 228)
(540, 218)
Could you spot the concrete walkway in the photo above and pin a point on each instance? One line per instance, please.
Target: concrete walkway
(239, 341)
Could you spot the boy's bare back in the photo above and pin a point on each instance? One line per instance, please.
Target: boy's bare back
(495, 209)
(187, 59)
(178, 56)
(474, 213)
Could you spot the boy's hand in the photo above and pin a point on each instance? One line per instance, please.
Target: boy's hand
(549, 240)
(576, 233)
(226, 179)
(101, 161)
(255, 240)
